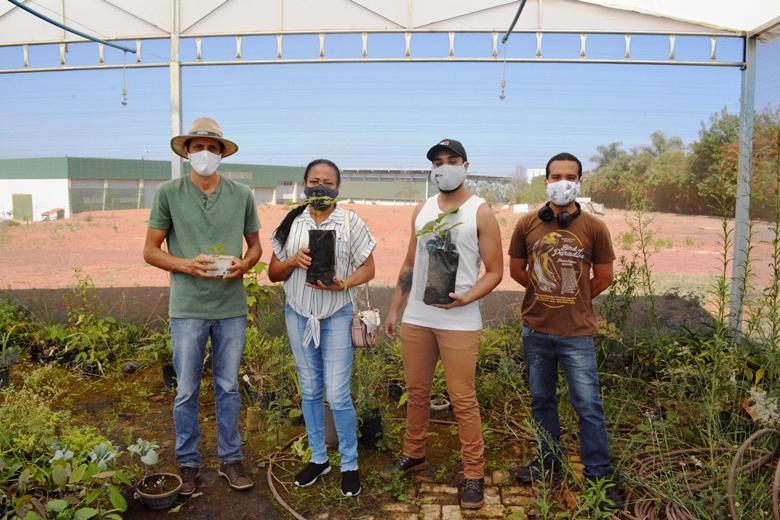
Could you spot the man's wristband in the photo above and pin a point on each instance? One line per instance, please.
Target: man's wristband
(344, 283)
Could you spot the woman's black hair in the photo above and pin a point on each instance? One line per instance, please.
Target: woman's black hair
(283, 231)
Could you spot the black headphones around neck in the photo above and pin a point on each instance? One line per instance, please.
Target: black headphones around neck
(564, 217)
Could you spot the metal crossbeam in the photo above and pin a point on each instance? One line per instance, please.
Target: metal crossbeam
(362, 50)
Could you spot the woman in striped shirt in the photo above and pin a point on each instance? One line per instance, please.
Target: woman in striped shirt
(319, 316)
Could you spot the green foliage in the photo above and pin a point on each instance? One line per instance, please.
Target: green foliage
(532, 193)
(441, 230)
(701, 181)
(218, 250)
(368, 386)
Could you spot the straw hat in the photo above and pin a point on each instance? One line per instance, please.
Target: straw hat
(203, 127)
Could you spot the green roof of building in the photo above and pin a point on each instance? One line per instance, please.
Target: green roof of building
(253, 175)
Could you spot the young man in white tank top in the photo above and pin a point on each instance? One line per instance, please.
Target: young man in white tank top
(450, 331)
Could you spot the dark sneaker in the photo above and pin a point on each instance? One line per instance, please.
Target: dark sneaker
(234, 473)
(535, 472)
(188, 476)
(613, 501)
(403, 464)
(473, 496)
(350, 483)
(309, 475)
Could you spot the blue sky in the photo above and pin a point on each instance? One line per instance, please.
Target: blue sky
(377, 115)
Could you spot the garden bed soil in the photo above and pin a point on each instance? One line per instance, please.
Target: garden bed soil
(107, 246)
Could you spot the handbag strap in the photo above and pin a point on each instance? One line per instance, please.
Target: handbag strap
(347, 232)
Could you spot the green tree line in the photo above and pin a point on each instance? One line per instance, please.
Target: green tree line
(700, 179)
(667, 176)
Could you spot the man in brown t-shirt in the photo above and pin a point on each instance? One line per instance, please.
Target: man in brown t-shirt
(552, 255)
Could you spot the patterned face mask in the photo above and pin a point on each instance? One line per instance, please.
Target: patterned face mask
(321, 191)
(562, 193)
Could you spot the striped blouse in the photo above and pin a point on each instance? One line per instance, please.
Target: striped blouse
(317, 304)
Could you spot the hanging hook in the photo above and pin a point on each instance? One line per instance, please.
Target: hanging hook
(503, 80)
(124, 81)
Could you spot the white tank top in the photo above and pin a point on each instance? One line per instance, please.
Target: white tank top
(464, 237)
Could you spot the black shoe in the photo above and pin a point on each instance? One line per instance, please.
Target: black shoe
(350, 483)
(473, 496)
(613, 501)
(309, 475)
(403, 464)
(535, 472)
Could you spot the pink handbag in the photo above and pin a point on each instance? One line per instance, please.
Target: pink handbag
(365, 325)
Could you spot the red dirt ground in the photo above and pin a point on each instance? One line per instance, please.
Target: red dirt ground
(107, 246)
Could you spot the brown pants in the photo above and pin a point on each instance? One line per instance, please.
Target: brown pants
(420, 350)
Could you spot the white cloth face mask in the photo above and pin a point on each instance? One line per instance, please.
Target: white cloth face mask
(204, 163)
(448, 177)
(562, 193)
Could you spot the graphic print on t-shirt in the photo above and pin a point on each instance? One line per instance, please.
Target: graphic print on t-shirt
(556, 261)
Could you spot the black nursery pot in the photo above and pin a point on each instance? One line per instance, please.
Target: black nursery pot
(169, 377)
(442, 273)
(322, 250)
(371, 431)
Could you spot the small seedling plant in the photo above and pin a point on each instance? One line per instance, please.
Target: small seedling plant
(218, 250)
(148, 454)
(441, 230)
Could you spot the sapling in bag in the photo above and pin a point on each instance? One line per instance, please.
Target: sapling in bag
(322, 250)
(442, 259)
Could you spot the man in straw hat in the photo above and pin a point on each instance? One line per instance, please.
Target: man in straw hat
(194, 214)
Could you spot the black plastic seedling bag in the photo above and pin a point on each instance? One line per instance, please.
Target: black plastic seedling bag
(322, 250)
(442, 272)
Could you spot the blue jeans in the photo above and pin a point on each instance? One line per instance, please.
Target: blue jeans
(577, 356)
(189, 338)
(327, 369)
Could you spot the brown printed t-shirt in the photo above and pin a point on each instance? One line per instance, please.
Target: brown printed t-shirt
(557, 299)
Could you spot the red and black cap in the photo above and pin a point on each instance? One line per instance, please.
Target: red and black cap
(449, 144)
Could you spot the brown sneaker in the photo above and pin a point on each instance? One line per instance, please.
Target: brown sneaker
(188, 476)
(234, 473)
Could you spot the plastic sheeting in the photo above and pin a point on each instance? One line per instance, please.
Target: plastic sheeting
(142, 19)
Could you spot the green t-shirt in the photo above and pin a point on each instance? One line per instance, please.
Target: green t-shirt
(196, 221)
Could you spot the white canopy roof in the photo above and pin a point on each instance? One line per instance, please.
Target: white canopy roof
(140, 19)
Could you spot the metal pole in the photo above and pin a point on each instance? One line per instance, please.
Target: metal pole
(74, 31)
(177, 164)
(744, 170)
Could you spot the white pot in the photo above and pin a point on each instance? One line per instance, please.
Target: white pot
(222, 262)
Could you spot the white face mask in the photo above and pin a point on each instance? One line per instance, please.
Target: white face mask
(448, 177)
(562, 193)
(204, 163)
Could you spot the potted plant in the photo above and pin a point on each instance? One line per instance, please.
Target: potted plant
(156, 490)
(394, 370)
(160, 349)
(442, 259)
(221, 259)
(322, 246)
(440, 405)
(366, 388)
(9, 353)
